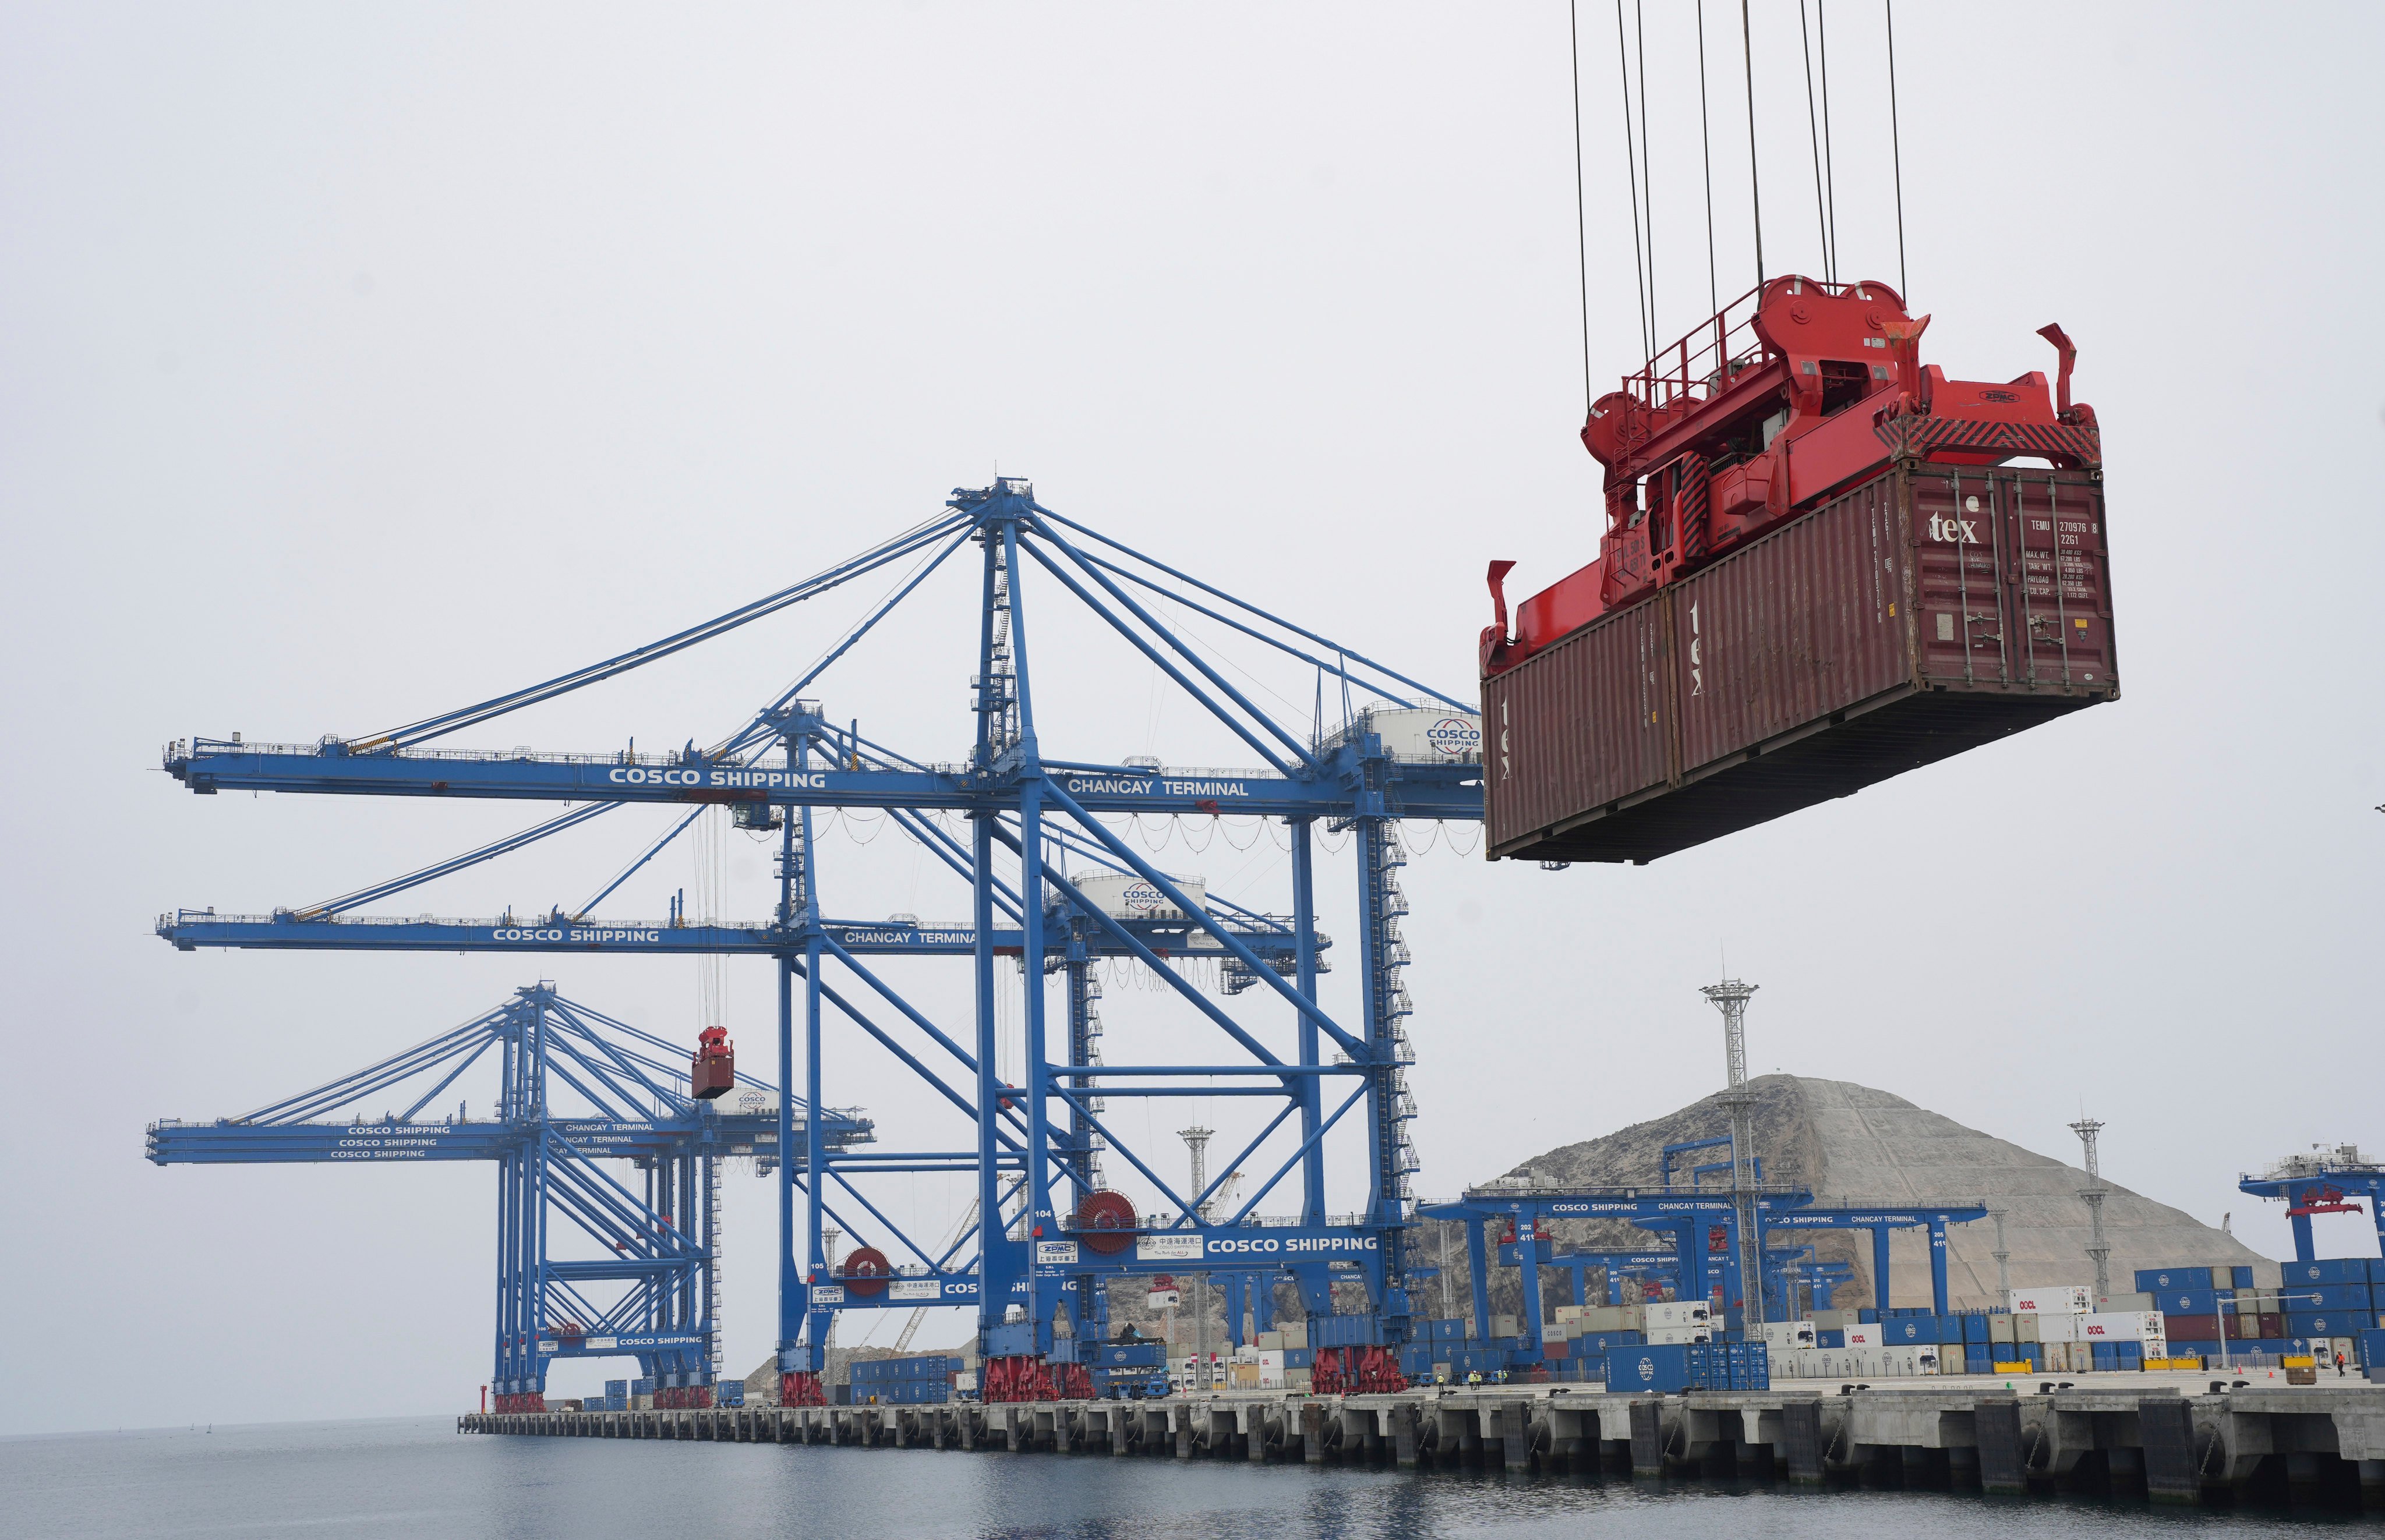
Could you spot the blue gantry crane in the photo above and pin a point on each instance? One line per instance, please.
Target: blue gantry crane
(575, 1088)
(1702, 1227)
(1044, 866)
(2326, 1181)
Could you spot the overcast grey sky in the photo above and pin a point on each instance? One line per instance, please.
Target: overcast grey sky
(361, 361)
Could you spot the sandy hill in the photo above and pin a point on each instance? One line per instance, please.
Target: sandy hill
(1852, 1144)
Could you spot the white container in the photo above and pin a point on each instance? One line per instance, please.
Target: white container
(1270, 1361)
(1295, 1334)
(1679, 1333)
(1782, 1337)
(2111, 1302)
(1681, 1312)
(2059, 1328)
(1124, 896)
(2144, 1326)
(1568, 1314)
(1612, 1318)
(2051, 1300)
(1864, 1335)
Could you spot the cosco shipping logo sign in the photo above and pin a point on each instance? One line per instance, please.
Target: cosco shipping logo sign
(1455, 737)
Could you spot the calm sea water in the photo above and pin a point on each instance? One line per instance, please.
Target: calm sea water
(418, 1477)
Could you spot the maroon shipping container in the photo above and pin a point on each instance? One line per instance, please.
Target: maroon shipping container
(1904, 622)
(2190, 1328)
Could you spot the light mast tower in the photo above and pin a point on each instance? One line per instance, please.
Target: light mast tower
(1730, 996)
(2097, 1250)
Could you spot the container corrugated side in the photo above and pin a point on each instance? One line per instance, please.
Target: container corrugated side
(1893, 627)
(1803, 624)
(1581, 725)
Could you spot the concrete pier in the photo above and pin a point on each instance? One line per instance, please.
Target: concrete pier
(2322, 1447)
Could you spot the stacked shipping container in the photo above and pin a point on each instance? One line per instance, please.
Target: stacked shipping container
(919, 1381)
(2314, 1308)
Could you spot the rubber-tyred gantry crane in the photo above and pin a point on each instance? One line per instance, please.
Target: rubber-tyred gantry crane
(1052, 884)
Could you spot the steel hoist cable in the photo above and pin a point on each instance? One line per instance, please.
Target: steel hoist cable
(1705, 158)
(1754, 176)
(1814, 137)
(1580, 246)
(1631, 169)
(1830, 167)
(1647, 181)
(1896, 151)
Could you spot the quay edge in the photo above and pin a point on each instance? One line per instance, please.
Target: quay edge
(2305, 1446)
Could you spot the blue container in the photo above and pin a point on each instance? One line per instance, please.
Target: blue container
(616, 1387)
(2372, 1349)
(1132, 1355)
(2187, 1301)
(1449, 1331)
(1831, 1337)
(1906, 1331)
(1974, 1363)
(2241, 1278)
(2327, 1269)
(732, 1394)
(1867, 1316)
(2326, 1323)
(1975, 1328)
(1606, 1342)
(2349, 1298)
(2161, 1280)
(641, 1388)
(2130, 1354)
(2105, 1357)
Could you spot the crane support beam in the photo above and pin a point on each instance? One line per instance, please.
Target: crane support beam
(208, 765)
(190, 929)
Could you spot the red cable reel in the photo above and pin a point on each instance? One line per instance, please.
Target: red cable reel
(865, 1271)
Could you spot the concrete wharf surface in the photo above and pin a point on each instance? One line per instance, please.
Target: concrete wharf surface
(2165, 1438)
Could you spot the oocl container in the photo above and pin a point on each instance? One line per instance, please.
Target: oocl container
(2050, 1299)
(1932, 610)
